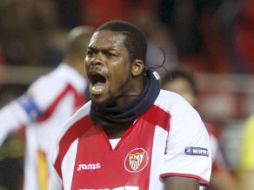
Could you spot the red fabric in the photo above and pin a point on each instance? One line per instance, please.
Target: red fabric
(84, 129)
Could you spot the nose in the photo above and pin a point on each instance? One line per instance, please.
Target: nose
(96, 59)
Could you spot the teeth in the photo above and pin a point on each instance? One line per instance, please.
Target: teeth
(97, 88)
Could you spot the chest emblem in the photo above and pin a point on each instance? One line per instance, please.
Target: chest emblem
(136, 160)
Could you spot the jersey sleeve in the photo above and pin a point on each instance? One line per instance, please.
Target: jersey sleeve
(28, 107)
(188, 149)
(37, 102)
(18, 113)
(12, 117)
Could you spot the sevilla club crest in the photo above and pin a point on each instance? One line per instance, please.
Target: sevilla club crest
(136, 160)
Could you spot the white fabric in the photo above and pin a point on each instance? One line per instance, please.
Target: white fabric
(11, 118)
(114, 142)
(187, 130)
(69, 163)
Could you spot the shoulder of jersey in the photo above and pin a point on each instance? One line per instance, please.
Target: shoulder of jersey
(80, 113)
(170, 101)
(59, 78)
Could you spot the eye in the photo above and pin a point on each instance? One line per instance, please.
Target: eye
(89, 52)
(110, 54)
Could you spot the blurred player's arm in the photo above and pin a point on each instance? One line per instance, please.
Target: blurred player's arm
(17, 114)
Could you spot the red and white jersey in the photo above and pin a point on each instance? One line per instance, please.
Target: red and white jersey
(50, 100)
(169, 139)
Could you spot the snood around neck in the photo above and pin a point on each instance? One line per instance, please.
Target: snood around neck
(113, 116)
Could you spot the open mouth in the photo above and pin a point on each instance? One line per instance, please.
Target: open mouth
(97, 83)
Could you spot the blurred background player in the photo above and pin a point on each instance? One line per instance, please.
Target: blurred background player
(247, 155)
(183, 82)
(44, 107)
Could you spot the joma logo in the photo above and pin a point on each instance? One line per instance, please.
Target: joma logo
(94, 166)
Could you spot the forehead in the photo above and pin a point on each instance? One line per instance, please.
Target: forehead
(107, 39)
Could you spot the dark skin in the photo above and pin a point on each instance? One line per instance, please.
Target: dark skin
(109, 58)
(181, 183)
(111, 75)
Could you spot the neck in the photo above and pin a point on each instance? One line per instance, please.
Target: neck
(135, 87)
(116, 132)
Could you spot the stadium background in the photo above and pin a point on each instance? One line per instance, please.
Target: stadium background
(213, 39)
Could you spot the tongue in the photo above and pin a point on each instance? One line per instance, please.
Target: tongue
(98, 88)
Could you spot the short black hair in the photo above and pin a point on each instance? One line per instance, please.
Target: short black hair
(180, 73)
(135, 41)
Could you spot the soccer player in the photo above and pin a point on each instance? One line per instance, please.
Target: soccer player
(183, 82)
(45, 106)
(131, 135)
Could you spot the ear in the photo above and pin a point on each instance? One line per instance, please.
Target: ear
(137, 67)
